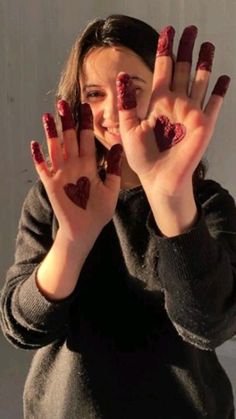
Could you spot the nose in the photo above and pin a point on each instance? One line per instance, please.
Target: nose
(110, 111)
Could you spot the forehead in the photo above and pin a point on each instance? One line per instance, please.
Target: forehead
(106, 62)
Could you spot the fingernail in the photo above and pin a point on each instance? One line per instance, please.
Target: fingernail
(165, 42)
(86, 116)
(206, 56)
(36, 153)
(126, 94)
(221, 86)
(114, 160)
(49, 125)
(67, 120)
(186, 44)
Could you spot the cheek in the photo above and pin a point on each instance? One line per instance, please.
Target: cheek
(96, 116)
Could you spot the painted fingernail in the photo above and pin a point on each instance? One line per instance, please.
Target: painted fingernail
(206, 56)
(165, 42)
(186, 44)
(49, 125)
(126, 94)
(36, 152)
(114, 160)
(67, 120)
(86, 116)
(221, 86)
(79, 193)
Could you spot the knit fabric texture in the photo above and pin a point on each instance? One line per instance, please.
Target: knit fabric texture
(137, 336)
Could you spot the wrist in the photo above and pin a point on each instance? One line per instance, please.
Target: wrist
(75, 243)
(176, 214)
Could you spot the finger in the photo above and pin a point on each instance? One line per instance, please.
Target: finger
(114, 166)
(126, 102)
(184, 60)
(86, 140)
(68, 127)
(164, 59)
(39, 162)
(54, 147)
(203, 72)
(215, 102)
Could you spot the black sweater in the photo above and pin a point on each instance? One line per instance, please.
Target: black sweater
(136, 338)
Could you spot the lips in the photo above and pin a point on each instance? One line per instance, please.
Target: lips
(115, 131)
(113, 134)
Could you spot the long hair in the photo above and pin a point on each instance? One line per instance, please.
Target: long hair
(115, 30)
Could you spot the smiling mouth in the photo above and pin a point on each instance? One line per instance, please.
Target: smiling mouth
(114, 131)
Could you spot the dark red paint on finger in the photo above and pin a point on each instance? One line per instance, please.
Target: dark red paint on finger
(114, 159)
(67, 120)
(86, 117)
(186, 44)
(36, 152)
(126, 94)
(79, 193)
(168, 134)
(206, 56)
(165, 42)
(221, 86)
(49, 125)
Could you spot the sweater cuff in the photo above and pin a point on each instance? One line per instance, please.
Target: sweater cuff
(32, 308)
(193, 251)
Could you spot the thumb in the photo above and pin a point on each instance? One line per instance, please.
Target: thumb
(126, 102)
(114, 162)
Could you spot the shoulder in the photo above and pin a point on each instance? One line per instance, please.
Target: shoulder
(218, 206)
(209, 191)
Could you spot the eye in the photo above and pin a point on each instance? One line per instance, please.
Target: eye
(93, 94)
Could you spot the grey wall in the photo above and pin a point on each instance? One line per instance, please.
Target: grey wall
(35, 38)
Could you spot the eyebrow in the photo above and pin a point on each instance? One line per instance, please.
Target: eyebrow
(86, 86)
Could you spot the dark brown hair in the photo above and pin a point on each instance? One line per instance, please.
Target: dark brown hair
(115, 30)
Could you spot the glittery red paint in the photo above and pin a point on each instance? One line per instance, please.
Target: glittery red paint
(114, 160)
(66, 115)
(221, 86)
(36, 153)
(165, 42)
(186, 44)
(78, 193)
(167, 134)
(206, 56)
(86, 117)
(49, 125)
(126, 94)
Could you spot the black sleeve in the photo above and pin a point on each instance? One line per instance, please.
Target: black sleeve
(197, 270)
(28, 319)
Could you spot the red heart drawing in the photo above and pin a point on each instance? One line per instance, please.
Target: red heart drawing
(167, 134)
(79, 192)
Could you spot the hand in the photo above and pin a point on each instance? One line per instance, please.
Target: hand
(82, 210)
(167, 170)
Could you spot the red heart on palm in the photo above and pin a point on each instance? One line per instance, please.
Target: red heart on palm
(79, 192)
(167, 134)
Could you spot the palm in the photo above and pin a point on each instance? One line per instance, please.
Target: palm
(170, 169)
(144, 156)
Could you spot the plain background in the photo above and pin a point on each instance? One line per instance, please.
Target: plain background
(35, 39)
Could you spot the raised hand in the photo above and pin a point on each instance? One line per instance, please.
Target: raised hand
(81, 201)
(166, 147)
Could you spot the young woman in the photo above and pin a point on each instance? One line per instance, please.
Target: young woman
(124, 270)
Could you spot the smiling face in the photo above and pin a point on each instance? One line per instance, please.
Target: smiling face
(98, 88)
